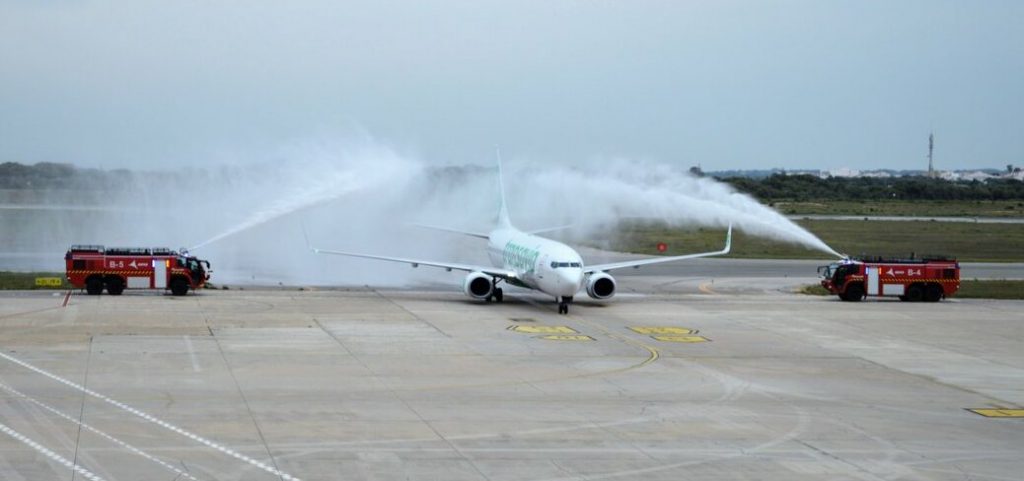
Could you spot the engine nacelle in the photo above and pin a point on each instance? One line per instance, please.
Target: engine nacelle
(601, 286)
(478, 285)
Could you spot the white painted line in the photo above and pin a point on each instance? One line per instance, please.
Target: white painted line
(104, 435)
(159, 422)
(50, 454)
(191, 354)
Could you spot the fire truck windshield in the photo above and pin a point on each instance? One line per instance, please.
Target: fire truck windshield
(827, 271)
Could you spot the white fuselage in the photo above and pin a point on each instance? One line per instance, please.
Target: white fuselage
(542, 264)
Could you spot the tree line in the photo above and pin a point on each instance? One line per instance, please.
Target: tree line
(776, 187)
(50, 175)
(797, 188)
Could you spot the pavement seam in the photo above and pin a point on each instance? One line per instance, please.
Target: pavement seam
(24, 398)
(407, 311)
(405, 403)
(248, 409)
(81, 410)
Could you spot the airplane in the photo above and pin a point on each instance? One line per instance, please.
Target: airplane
(525, 259)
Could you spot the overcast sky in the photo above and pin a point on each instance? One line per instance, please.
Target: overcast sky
(727, 84)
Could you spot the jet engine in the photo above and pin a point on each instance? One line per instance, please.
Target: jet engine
(478, 285)
(601, 286)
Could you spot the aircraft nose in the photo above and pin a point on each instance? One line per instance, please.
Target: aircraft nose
(570, 279)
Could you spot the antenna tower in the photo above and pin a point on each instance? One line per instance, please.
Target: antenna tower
(931, 147)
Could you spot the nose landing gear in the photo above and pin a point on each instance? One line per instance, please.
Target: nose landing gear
(563, 304)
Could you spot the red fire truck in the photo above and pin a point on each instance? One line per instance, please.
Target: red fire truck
(116, 268)
(915, 280)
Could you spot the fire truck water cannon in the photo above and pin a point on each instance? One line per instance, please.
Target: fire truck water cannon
(927, 279)
(95, 268)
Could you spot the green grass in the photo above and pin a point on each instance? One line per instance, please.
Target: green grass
(968, 242)
(977, 289)
(969, 289)
(923, 208)
(814, 290)
(27, 280)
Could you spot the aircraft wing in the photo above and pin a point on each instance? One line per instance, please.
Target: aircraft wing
(658, 260)
(491, 271)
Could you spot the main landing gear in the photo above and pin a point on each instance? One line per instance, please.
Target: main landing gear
(497, 294)
(563, 304)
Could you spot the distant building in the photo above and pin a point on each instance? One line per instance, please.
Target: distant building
(967, 175)
(843, 172)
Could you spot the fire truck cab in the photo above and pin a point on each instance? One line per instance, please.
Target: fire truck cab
(914, 280)
(95, 268)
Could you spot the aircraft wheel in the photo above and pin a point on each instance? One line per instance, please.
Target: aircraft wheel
(563, 308)
(499, 295)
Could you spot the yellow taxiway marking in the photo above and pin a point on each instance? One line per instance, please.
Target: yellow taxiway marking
(706, 288)
(999, 413)
(681, 338)
(543, 329)
(562, 337)
(680, 331)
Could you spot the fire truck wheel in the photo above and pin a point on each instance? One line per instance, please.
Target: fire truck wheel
(179, 286)
(94, 286)
(915, 293)
(854, 292)
(934, 293)
(115, 286)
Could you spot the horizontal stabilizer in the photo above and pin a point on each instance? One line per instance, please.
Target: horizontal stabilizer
(550, 229)
(453, 231)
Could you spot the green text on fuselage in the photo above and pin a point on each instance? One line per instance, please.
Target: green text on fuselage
(520, 258)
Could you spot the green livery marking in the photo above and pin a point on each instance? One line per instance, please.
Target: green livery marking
(519, 257)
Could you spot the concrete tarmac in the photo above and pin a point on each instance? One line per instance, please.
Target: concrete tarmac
(673, 379)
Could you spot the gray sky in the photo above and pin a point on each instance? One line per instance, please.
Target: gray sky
(729, 84)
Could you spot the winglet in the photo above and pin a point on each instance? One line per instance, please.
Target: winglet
(503, 218)
(728, 240)
(305, 234)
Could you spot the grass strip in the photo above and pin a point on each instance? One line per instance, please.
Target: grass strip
(27, 280)
(909, 208)
(968, 242)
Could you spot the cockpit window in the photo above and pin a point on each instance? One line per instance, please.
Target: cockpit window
(556, 265)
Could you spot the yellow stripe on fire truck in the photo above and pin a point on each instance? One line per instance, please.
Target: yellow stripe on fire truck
(127, 273)
(903, 279)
